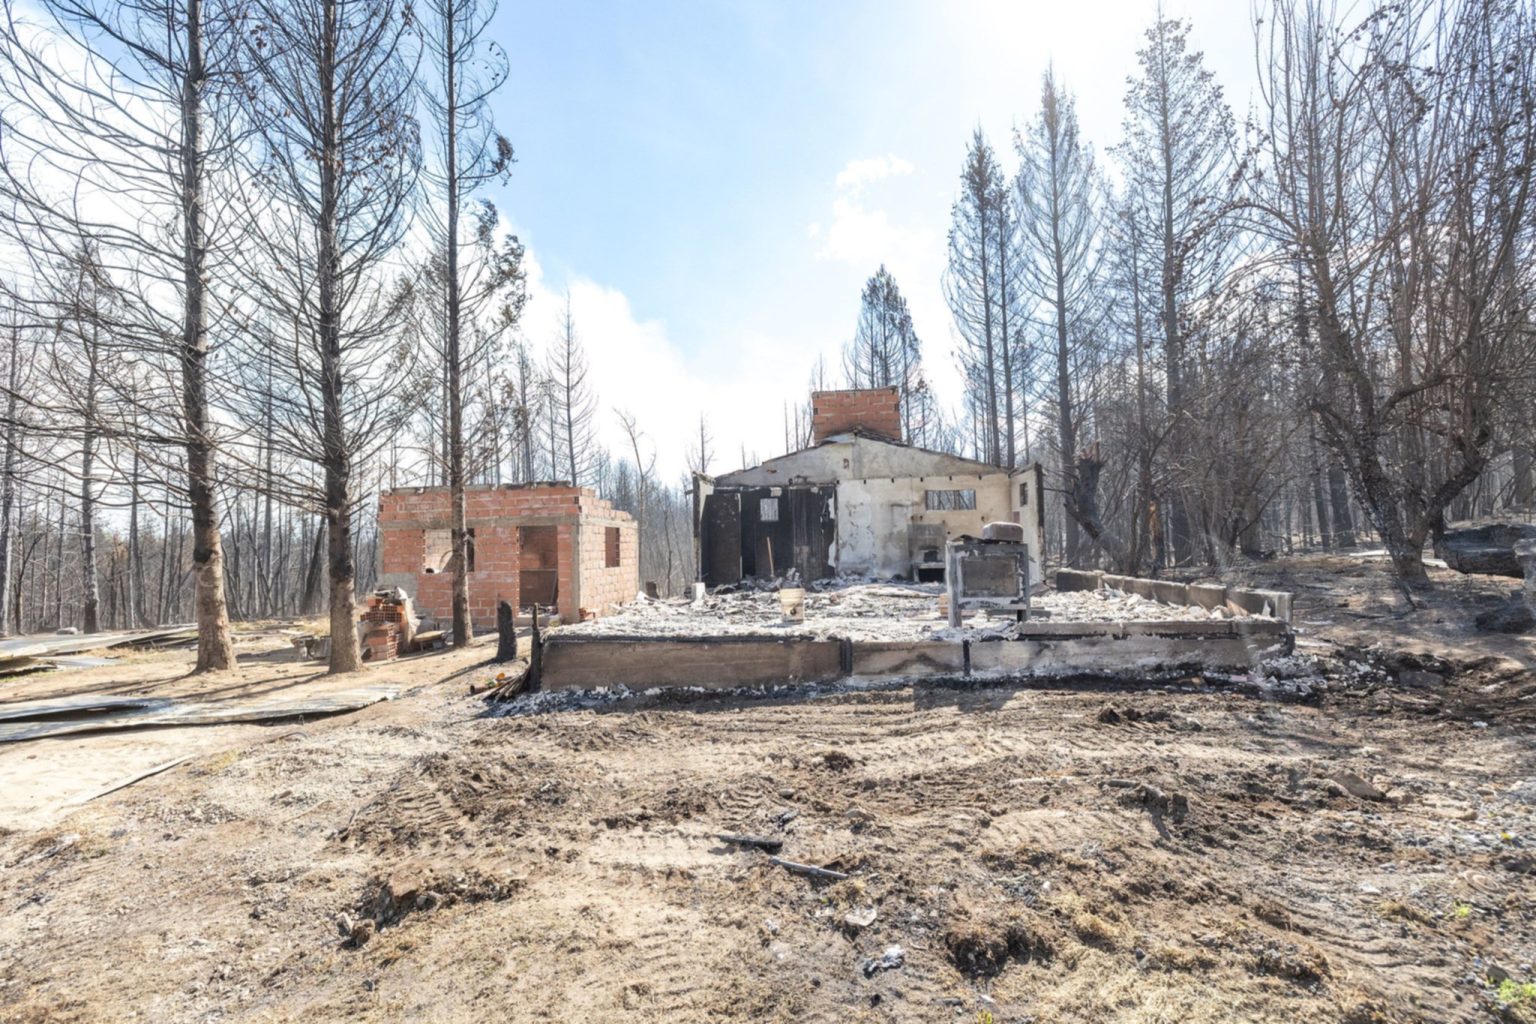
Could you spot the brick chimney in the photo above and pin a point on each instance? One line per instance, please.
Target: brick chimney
(871, 410)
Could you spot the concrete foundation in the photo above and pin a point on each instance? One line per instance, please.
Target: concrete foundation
(571, 663)
(1209, 596)
(1044, 649)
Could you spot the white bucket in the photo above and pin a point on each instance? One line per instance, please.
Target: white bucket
(792, 603)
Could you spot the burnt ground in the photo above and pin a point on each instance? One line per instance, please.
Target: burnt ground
(1352, 840)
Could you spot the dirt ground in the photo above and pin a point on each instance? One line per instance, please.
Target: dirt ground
(1348, 836)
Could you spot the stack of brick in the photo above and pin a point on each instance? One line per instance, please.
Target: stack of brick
(382, 642)
(388, 625)
(875, 411)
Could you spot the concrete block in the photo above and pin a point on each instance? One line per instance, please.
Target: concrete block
(892, 660)
(1260, 627)
(1169, 592)
(1260, 602)
(1011, 532)
(1141, 588)
(1039, 630)
(1108, 656)
(717, 663)
(1207, 595)
(1068, 580)
(1181, 627)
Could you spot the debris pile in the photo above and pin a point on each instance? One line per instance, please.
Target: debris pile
(864, 610)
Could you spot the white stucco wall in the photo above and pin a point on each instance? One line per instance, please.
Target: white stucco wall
(874, 514)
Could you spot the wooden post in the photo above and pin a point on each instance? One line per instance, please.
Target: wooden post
(536, 657)
(506, 633)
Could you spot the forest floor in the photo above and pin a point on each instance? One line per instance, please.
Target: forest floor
(1358, 850)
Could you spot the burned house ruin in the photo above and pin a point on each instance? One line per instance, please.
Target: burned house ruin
(551, 545)
(858, 502)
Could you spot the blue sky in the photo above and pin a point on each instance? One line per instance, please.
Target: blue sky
(714, 181)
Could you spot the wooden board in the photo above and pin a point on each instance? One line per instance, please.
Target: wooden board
(716, 663)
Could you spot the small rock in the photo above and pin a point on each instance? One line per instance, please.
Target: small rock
(1175, 805)
(1355, 786)
(890, 960)
(355, 933)
(860, 917)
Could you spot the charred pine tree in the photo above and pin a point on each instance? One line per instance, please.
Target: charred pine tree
(1059, 198)
(1179, 162)
(333, 94)
(467, 68)
(144, 114)
(971, 288)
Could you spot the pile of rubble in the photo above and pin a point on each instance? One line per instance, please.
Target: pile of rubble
(860, 610)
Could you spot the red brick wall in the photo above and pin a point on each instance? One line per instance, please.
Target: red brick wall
(603, 588)
(495, 513)
(876, 410)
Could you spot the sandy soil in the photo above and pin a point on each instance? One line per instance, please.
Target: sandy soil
(44, 780)
(1064, 853)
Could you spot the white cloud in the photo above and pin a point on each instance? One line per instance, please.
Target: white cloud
(858, 173)
(860, 233)
(635, 365)
(742, 382)
(864, 233)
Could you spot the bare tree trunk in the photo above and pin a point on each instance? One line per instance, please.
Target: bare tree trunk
(463, 629)
(994, 455)
(1320, 508)
(90, 593)
(1002, 306)
(134, 578)
(1524, 479)
(215, 651)
(345, 655)
(309, 600)
(1065, 425)
(8, 481)
(269, 581)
